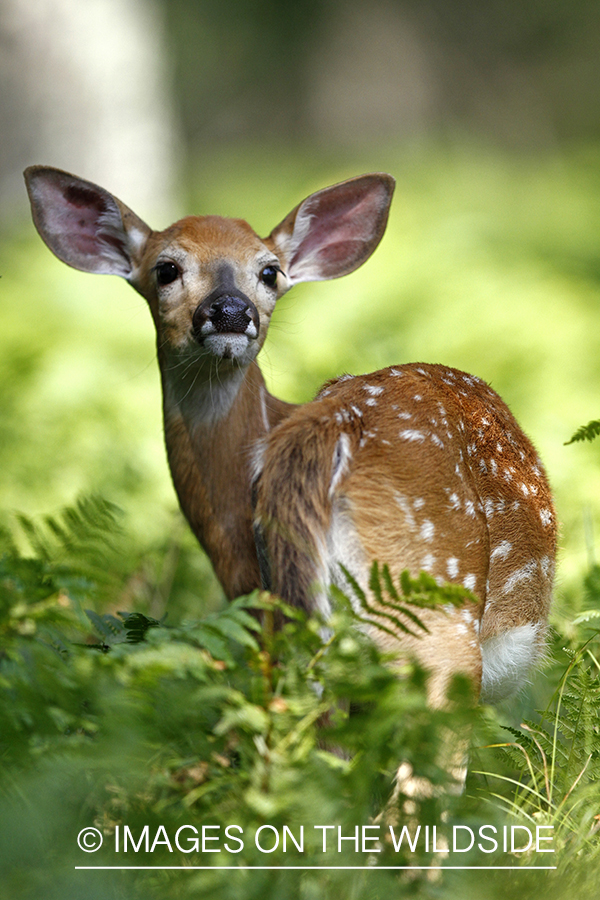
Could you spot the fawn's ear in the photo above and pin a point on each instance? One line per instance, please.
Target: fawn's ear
(334, 231)
(84, 225)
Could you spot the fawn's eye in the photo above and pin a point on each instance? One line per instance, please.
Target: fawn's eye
(268, 276)
(166, 272)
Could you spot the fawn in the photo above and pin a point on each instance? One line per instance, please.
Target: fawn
(420, 467)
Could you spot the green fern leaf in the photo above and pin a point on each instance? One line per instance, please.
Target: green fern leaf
(586, 433)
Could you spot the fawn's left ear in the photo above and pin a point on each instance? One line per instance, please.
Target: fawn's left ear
(334, 231)
(84, 225)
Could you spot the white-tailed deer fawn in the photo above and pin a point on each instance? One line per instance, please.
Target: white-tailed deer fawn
(212, 284)
(421, 467)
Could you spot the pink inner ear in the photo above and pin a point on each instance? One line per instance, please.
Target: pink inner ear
(342, 229)
(77, 217)
(82, 226)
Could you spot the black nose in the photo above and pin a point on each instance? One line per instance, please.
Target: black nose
(230, 314)
(226, 311)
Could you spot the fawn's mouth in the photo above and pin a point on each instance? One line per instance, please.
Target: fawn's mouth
(227, 345)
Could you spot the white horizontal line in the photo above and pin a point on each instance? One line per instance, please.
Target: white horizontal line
(306, 868)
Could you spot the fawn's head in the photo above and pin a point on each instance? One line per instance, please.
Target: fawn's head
(211, 282)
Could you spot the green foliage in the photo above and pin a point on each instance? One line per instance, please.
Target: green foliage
(114, 719)
(390, 607)
(110, 717)
(477, 240)
(586, 432)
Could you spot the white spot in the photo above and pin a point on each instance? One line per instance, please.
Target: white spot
(342, 455)
(499, 448)
(406, 509)
(546, 567)
(419, 503)
(483, 466)
(373, 390)
(470, 508)
(371, 402)
(452, 567)
(546, 517)
(436, 440)
(367, 435)
(411, 435)
(525, 490)
(489, 508)
(501, 551)
(526, 573)
(417, 397)
(404, 415)
(356, 411)
(396, 373)
(427, 530)
(494, 466)
(428, 563)
(469, 582)
(345, 377)
(454, 501)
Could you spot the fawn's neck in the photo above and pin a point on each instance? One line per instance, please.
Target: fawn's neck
(211, 425)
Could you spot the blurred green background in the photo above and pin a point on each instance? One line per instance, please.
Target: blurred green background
(486, 114)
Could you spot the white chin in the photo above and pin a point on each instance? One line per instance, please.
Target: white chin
(227, 346)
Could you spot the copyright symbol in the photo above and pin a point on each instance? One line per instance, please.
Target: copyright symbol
(89, 839)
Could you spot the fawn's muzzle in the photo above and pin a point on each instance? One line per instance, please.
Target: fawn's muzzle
(227, 313)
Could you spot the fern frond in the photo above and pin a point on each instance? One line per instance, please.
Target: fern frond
(390, 604)
(586, 433)
(586, 616)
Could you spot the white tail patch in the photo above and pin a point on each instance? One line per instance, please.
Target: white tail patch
(506, 659)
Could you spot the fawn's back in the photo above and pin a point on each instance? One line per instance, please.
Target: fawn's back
(419, 467)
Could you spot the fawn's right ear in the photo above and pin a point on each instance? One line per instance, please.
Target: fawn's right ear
(84, 225)
(334, 231)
